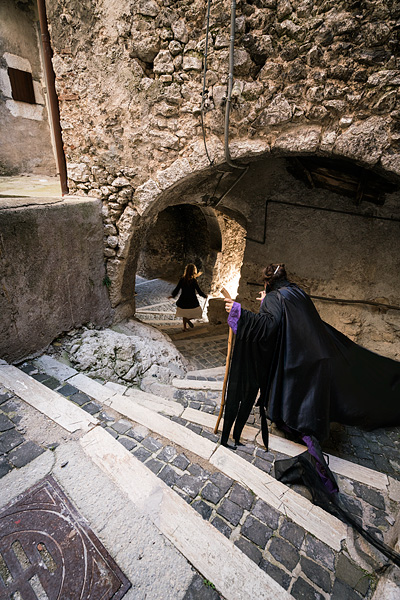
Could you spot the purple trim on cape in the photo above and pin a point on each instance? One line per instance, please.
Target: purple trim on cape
(234, 316)
(327, 481)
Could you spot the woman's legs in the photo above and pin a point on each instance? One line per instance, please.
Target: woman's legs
(187, 322)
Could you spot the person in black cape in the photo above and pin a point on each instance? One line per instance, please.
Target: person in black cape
(307, 375)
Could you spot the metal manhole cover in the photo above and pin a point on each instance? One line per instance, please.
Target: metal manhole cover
(48, 552)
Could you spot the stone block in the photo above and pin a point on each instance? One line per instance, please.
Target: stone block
(341, 591)
(10, 440)
(212, 493)
(5, 467)
(222, 481)
(222, 526)
(352, 575)
(24, 454)
(371, 496)
(230, 511)
(128, 443)
(302, 590)
(320, 552)
(266, 514)
(249, 549)
(242, 497)
(293, 533)
(284, 553)
(190, 485)
(256, 531)
(5, 423)
(154, 465)
(276, 573)
(168, 475)
(142, 454)
(317, 574)
(202, 508)
(181, 462)
(167, 454)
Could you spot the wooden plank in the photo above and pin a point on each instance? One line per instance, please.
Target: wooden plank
(50, 403)
(235, 576)
(313, 519)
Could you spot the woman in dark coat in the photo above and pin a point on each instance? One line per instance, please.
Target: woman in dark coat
(309, 375)
(187, 305)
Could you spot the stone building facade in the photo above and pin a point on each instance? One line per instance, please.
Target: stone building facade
(26, 145)
(308, 173)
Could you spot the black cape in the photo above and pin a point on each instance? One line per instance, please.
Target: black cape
(308, 375)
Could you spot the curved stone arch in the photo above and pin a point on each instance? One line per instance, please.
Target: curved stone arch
(366, 143)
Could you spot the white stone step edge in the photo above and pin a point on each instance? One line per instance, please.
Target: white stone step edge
(337, 465)
(50, 403)
(212, 372)
(197, 384)
(235, 575)
(315, 520)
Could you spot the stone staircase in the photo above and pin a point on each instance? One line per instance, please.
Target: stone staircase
(244, 531)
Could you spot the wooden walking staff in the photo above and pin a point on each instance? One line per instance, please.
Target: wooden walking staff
(228, 360)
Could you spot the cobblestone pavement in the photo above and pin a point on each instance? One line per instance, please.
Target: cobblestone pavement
(16, 450)
(378, 449)
(295, 559)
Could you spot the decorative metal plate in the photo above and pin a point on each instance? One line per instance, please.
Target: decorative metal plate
(48, 552)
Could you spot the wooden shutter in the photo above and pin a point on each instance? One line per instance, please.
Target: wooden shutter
(21, 85)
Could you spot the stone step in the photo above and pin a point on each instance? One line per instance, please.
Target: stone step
(280, 498)
(197, 384)
(45, 400)
(196, 539)
(215, 373)
(169, 407)
(322, 525)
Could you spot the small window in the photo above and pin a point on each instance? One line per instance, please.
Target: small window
(21, 85)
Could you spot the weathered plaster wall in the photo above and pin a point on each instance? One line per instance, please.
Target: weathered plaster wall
(51, 273)
(25, 134)
(330, 247)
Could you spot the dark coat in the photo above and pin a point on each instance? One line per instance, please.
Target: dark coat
(188, 298)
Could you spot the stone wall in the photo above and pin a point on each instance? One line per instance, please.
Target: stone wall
(52, 272)
(311, 78)
(26, 145)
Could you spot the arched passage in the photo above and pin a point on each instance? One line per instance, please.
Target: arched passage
(333, 221)
(181, 234)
